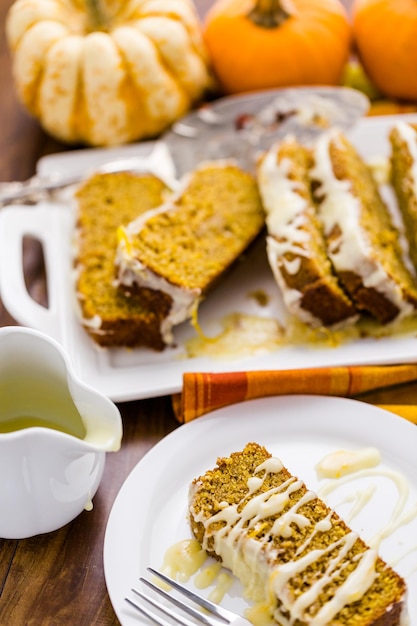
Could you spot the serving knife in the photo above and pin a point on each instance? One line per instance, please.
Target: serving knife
(151, 156)
(234, 127)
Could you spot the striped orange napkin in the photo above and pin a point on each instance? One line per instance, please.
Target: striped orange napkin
(204, 392)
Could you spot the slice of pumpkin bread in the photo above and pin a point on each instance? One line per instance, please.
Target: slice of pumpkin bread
(296, 246)
(111, 317)
(363, 243)
(296, 558)
(180, 250)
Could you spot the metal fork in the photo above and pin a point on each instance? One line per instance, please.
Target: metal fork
(221, 616)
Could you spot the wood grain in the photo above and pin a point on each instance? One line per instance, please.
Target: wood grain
(57, 579)
(22, 142)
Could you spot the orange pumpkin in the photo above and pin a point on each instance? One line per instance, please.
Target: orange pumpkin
(385, 34)
(261, 44)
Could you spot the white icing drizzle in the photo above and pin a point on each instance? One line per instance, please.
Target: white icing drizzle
(353, 588)
(284, 206)
(351, 251)
(321, 526)
(291, 297)
(399, 516)
(404, 555)
(292, 267)
(342, 462)
(285, 218)
(360, 499)
(247, 557)
(272, 465)
(223, 583)
(207, 575)
(183, 559)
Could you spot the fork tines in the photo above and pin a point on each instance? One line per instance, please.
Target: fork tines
(220, 616)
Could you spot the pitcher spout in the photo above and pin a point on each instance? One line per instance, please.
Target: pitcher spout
(100, 417)
(55, 432)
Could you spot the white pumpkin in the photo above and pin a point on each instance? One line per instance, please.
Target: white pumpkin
(106, 72)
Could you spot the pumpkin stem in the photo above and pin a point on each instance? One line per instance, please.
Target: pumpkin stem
(97, 15)
(268, 13)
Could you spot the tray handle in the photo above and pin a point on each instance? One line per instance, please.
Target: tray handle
(44, 223)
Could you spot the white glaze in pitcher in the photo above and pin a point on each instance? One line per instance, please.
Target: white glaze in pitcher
(54, 435)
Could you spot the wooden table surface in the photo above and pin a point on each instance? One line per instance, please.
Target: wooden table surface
(57, 578)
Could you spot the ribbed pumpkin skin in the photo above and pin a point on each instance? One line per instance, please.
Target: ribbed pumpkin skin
(124, 78)
(385, 33)
(310, 47)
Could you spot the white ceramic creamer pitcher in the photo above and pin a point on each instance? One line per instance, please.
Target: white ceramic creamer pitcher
(54, 435)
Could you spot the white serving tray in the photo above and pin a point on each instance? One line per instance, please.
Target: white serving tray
(124, 374)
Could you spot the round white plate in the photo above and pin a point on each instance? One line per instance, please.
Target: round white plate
(149, 514)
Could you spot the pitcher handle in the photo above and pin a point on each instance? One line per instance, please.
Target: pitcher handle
(50, 224)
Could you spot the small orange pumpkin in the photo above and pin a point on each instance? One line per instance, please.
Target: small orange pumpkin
(262, 44)
(385, 34)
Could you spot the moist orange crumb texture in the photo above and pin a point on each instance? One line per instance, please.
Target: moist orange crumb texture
(204, 230)
(294, 555)
(105, 202)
